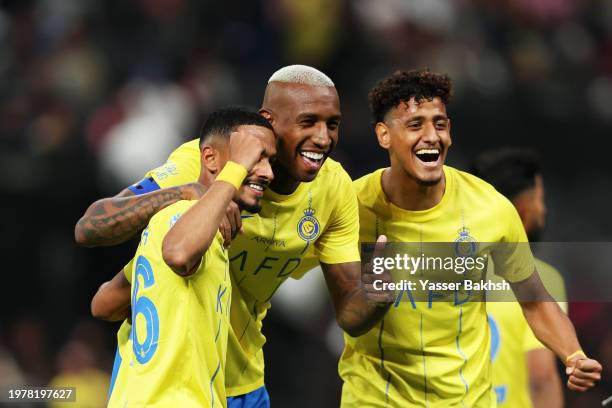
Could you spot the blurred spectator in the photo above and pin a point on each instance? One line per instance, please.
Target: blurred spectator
(78, 365)
(312, 29)
(93, 94)
(76, 369)
(28, 342)
(156, 119)
(10, 374)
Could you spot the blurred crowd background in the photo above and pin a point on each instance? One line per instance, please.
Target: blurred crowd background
(95, 93)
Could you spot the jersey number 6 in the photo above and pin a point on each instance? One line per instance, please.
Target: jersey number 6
(145, 350)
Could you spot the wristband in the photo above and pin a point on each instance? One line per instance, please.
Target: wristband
(233, 173)
(574, 354)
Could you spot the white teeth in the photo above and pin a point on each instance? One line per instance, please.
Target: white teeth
(312, 155)
(256, 187)
(428, 151)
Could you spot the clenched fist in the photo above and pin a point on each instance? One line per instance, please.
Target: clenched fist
(246, 145)
(583, 373)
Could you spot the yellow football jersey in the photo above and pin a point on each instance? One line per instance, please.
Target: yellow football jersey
(180, 326)
(182, 167)
(118, 383)
(318, 221)
(512, 339)
(433, 354)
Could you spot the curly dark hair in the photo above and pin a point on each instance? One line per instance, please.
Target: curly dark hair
(401, 86)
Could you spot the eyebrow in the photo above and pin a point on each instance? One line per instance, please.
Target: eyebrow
(270, 153)
(421, 117)
(312, 115)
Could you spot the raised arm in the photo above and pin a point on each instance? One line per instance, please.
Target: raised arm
(193, 233)
(553, 328)
(190, 237)
(114, 220)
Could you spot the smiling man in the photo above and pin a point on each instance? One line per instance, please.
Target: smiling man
(436, 353)
(179, 274)
(308, 216)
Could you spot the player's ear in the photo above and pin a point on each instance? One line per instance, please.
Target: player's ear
(267, 115)
(382, 134)
(522, 203)
(210, 159)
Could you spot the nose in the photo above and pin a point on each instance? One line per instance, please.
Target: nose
(263, 170)
(430, 135)
(322, 138)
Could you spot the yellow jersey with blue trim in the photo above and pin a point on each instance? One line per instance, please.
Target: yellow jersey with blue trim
(512, 339)
(288, 237)
(118, 381)
(431, 353)
(182, 167)
(179, 325)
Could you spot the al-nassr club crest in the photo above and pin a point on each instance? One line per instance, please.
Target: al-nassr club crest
(465, 245)
(308, 227)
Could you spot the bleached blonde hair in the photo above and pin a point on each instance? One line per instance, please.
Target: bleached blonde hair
(301, 74)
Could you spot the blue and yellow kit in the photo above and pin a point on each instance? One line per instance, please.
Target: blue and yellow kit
(174, 352)
(290, 235)
(431, 354)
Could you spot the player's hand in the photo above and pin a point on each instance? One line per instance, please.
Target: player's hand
(380, 297)
(231, 224)
(192, 191)
(245, 149)
(583, 373)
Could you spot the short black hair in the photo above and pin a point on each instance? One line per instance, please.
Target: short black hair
(222, 122)
(402, 86)
(510, 170)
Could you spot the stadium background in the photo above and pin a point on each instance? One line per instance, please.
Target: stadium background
(92, 94)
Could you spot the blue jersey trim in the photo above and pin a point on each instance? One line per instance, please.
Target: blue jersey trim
(495, 337)
(144, 186)
(116, 366)
(424, 363)
(465, 359)
(212, 380)
(258, 398)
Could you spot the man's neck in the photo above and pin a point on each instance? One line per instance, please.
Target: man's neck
(408, 194)
(283, 183)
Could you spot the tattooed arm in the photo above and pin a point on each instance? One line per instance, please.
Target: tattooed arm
(114, 220)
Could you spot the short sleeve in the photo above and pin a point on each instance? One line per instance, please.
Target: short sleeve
(127, 270)
(553, 282)
(182, 167)
(512, 255)
(339, 243)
